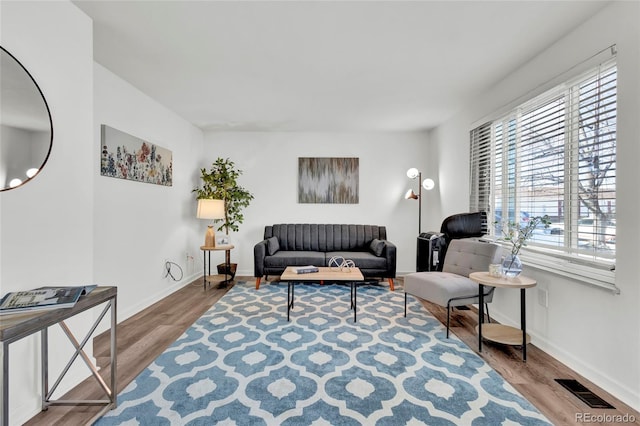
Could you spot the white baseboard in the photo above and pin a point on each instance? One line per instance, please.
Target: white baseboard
(620, 391)
(143, 304)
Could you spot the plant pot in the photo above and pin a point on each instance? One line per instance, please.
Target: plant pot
(231, 271)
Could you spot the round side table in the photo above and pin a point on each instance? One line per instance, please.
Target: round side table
(501, 333)
(221, 279)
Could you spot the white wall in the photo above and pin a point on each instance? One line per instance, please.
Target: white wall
(139, 225)
(593, 331)
(270, 165)
(71, 226)
(46, 225)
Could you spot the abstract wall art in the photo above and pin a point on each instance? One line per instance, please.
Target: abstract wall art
(328, 180)
(127, 157)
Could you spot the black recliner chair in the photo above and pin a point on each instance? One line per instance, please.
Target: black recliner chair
(432, 246)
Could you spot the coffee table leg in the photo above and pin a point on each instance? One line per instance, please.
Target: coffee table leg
(351, 307)
(354, 291)
(288, 299)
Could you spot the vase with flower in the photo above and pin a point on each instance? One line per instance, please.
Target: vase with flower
(518, 235)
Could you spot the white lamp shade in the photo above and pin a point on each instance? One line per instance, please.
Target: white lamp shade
(413, 173)
(210, 209)
(428, 184)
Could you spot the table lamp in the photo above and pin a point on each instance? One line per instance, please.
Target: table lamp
(210, 209)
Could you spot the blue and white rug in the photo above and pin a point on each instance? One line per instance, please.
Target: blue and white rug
(242, 363)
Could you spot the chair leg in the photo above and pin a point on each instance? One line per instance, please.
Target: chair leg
(486, 309)
(258, 282)
(391, 284)
(448, 314)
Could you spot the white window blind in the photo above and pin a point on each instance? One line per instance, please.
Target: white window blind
(480, 176)
(555, 155)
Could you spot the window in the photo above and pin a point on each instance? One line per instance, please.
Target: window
(554, 155)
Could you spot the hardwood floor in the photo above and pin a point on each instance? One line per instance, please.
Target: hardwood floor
(146, 335)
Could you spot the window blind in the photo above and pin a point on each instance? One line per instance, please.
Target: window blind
(554, 155)
(480, 176)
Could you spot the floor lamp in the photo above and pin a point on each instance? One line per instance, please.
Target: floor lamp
(427, 184)
(210, 209)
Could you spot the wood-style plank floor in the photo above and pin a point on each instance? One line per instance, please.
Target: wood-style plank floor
(146, 335)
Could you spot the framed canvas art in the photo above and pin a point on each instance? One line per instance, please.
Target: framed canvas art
(127, 157)
(328, 180)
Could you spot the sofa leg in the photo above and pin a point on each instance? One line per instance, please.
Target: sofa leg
(258, 282)
(391, 284)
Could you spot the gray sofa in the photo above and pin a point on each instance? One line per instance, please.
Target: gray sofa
(314, 244)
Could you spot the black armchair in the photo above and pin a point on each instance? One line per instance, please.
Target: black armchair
(457, 226)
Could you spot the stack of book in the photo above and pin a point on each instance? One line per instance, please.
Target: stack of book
(306, 269)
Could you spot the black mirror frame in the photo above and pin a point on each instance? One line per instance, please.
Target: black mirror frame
(46, 158)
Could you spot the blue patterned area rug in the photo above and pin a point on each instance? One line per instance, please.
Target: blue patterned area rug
(242, 363)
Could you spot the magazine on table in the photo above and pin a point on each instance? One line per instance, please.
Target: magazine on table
(306, 269)
(42, 298)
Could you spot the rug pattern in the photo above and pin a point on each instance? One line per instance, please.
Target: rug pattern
(242, 363)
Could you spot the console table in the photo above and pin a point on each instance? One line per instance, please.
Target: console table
(16, 326)
(498, 332)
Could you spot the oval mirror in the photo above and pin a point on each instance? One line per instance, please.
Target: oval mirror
(26, 129)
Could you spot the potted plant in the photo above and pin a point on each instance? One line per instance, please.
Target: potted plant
(221, 182)
(518, 234)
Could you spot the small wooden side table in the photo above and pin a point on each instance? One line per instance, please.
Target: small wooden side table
(501, 333)
(221, 279)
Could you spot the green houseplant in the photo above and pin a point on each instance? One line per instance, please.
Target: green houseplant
(518, 235)
(220, 182)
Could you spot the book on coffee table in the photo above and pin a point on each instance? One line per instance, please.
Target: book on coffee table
(305, 269)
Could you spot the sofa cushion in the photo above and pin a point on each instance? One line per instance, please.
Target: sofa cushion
(284, 258)
(362, 259)
(272, 246)
(376, 247)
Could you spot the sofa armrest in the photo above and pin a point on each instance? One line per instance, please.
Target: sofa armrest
(259, 253)
(390, 253)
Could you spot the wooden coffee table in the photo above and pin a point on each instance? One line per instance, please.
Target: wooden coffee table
(352, 275)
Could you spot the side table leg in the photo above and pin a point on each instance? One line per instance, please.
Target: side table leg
(204, 269)
(4, 389)
(114, 352)
(480, 317)
(523, 322)
(44, 371)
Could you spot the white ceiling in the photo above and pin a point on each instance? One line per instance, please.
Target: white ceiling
(325, 65)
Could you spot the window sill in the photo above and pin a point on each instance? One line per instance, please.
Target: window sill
(597, 274)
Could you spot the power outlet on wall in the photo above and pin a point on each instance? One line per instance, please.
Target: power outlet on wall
(543, 297)
(189, 262)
